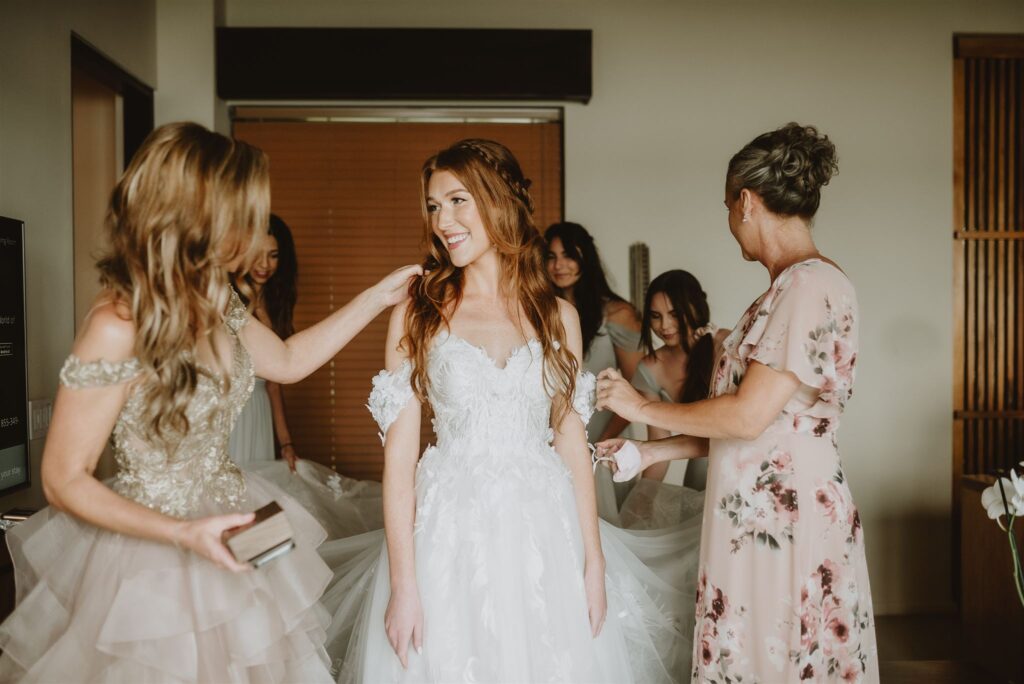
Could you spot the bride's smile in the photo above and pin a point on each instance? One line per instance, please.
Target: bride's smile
(455, 219)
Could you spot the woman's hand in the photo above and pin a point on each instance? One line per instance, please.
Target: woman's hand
(394, 287)
(617, 395)
(203, 536)
(597, 599)
(290, 456)
(404, 620)
(610, 447)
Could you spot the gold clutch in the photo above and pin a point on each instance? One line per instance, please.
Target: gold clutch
(268, 536)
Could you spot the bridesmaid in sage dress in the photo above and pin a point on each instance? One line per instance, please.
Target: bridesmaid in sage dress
(676, 310)
(271, 286)
(342, 505)
(611, 334)
(783, 593)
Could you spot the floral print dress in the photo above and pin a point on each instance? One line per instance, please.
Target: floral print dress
(783, 591)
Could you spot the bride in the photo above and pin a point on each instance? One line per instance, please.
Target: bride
(492, 565)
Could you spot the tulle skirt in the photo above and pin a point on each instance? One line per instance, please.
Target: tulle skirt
(94, 606)
(343, 506)
(499, 563)
(653, 504)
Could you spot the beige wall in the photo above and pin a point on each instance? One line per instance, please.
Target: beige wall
(681, 85)
(185, 62)
(35, 157)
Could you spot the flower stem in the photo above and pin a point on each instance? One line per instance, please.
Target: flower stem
(1018, 576)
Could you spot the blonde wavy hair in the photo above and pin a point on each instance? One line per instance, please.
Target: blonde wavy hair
(190, 203)
(493, 177)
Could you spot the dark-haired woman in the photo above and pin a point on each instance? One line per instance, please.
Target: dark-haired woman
(610, 327)
(271, 283)
(676, 311)
(343, 506)
(783, 594)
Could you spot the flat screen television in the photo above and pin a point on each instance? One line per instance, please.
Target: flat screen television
(14, 455)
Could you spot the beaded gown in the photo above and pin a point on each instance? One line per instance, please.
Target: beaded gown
(95, 606)
(499, 551)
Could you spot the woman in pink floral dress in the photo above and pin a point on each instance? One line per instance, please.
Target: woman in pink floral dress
(783, 594)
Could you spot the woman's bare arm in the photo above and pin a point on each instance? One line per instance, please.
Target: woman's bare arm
(404, 616)
(761, 396)
(293, 359)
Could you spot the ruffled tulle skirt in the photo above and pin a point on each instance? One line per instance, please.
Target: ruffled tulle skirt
(94, 606)
(499, 563)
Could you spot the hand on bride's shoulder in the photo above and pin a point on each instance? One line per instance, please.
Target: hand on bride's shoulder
(394, 287)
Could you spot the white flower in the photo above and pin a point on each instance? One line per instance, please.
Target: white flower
(992, 498)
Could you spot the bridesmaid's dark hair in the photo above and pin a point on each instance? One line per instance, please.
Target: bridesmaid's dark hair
(280, 292)
(592, 291)
(690, 304)
(787, 168)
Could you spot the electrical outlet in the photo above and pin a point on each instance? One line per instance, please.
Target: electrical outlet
(40, 411)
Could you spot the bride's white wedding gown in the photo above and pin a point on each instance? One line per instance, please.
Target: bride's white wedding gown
(498, 549)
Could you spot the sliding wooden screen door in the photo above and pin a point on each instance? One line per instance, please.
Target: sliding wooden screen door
(988, 247)
(350, 193)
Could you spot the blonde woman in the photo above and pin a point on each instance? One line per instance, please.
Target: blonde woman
(130, 581)
(492, 565)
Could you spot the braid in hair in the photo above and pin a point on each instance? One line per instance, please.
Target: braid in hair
(494, 178)
(510, 173)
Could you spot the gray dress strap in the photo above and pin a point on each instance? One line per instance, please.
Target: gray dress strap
(643, 381)
(623, 338)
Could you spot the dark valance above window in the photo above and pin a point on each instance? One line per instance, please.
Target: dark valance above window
(313, 64)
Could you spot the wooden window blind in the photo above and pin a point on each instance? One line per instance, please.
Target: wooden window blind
(988, 247)
(350, 193)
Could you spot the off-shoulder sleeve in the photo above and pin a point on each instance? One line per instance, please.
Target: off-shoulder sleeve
(585, 396)
(807, 325)
(78, 374)
(622, 337)
(390, 394)
(237, 315)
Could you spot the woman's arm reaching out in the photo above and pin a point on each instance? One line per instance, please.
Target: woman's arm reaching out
(295, 358)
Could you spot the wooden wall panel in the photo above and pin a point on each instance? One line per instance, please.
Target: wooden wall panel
(350, 193)
(988, 392)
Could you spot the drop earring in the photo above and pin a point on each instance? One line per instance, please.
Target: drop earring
(746, 218)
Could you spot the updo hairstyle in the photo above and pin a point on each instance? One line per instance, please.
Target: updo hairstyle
(787, 168)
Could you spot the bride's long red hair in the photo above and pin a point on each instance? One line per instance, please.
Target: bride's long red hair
(493, 177)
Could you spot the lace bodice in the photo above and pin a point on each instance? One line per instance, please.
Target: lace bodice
(198, 469)
(476, 400)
